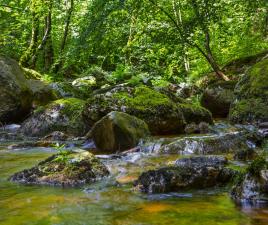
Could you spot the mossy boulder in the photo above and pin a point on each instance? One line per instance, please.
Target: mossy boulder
(240, 65)
(162, 115)
(42, 93)
(61, 115)
(118, 131)
(234, 69)
(250, 104)
(15, 93)
(189, 173)
(64, 169)
(252, 185)
(194, 113)
(218, 97)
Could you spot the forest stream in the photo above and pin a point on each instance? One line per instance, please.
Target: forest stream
(134, 112)
(113, 200)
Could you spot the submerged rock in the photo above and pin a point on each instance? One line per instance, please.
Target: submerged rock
(15, 93)
(252, 187)
(64, 169)
(193, 173)
(250, 104)
(118, 131)
(161, 113)
(63, 115)
(218, 97)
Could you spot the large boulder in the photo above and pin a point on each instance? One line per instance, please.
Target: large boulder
(15, 94)
(42, 93)
(250, 104)
(192, 173)
(252, 186)
(64, 169)
(61, 115)
(118, 131)
(218, 97)
(162, 115)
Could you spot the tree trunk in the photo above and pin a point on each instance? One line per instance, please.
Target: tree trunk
(67, 25)
(46, 43)
(59, 62)
(211, 60)
(26, 58)
(49, 53)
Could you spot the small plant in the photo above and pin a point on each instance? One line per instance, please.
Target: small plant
(62, 153)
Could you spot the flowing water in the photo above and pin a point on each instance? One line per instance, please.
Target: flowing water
(107, 202)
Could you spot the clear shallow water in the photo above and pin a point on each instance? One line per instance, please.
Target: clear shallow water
(104, 203)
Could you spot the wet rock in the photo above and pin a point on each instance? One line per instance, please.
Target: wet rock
(63, 115)
(218, 97)
(250, 104)
(252, 186)
(161, 113)
(10, 136)
(263, 129)
(197, 161)
(245, 154)
(209, 144)
(203, 128)
(15, 94)
(118, 131)
(194, 128)
(56, 136)
(64, 169)
(10, 128)
(192, 173)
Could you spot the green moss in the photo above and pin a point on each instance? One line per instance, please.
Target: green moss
(144, 98)
(195, 113)
(259, 78)
(238, 168)
(257, 165)
(72, 108)
(251, 95)
(249, 110)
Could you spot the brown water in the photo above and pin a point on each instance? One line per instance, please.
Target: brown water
(106, 203)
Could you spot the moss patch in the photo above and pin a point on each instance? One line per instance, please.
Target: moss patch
(251, 96)
(143, 98)
(61, 115)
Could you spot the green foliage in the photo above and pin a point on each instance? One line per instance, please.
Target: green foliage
(121, 74)
(135, 41)
(62, 156)
(257, 165)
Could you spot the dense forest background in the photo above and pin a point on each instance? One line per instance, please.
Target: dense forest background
(161, 40)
